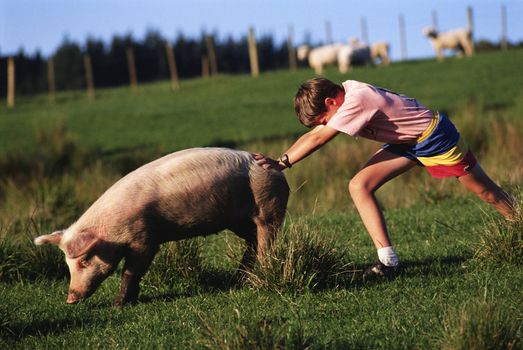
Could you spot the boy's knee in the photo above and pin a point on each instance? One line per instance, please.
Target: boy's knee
(491, 196)
(358, 186)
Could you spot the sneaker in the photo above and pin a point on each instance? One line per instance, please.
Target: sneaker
(378, 269)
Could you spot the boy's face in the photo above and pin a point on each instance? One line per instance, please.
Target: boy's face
(332, 105)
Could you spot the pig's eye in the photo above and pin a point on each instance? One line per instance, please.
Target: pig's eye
(85, 261)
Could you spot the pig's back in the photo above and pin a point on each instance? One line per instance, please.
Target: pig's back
(198, 184)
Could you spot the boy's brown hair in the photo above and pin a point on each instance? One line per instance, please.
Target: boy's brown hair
(309, 102)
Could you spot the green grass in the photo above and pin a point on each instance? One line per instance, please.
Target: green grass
(462, 280)
(239, 109)
(408, 312)
(482, 324)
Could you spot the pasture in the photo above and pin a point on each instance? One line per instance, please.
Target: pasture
(462, 286)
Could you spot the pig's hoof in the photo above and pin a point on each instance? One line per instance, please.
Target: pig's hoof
(122, 302)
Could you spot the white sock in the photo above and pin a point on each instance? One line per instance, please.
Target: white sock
(388, 256)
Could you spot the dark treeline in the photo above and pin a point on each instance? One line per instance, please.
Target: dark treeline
(109, 61)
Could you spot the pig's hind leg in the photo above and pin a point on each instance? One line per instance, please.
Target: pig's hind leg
(135, 267)
(268, 222)
(248, 231)
(266, 231)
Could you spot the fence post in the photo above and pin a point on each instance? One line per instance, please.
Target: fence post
(89, 77)
(205, 67)
(328, 32)
(470, 18)
(133, 80)
(364, 32)
(434, 19)
(212, 56)
(11, 82)
(51, 80)
(403, 38)
(290, 48)
(253, 54)
(171, 61)
(504, 40)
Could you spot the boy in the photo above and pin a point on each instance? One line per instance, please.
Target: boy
(413, 135)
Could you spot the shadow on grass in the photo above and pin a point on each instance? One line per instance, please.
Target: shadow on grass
(218, 281)
(208, 282)
(41, 328)
(412, 269)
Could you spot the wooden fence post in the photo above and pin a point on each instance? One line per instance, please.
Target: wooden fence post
(434, 19)
(504, 34)
(364, 32)
(212, 56)
(133, 80)
(175, 85)
(290, 48)
(11, 82)
(328, 32)
(470, 18)
(51, 82)
(403, 38)
(89, 77)
(253, 54)
(205, 67)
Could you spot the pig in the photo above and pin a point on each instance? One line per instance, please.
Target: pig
(193, 192)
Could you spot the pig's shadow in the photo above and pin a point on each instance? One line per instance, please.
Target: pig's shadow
(209, 282)
(40, 328)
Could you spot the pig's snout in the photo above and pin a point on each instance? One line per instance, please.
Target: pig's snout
(73, 297)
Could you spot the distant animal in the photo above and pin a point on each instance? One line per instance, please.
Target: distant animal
(353, 54)
(188, 193)
(458, 40)
(320, 56)
(379, 51)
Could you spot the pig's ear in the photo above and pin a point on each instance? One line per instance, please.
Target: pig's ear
(54, 238)
(80, 244)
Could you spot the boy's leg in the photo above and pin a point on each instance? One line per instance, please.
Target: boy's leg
(478, 182)
(382, 167)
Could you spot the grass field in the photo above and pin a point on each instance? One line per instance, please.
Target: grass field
(462, 286)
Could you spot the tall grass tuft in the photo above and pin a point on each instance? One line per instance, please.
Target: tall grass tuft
(57, 152)
(11, 262)
(176, 261)
(482, 325)
(501, 241)
(277, 333)
(25, 261)
(20, 259)
(300, 259)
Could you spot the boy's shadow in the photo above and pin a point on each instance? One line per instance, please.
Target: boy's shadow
(411, 269)
(219, 281)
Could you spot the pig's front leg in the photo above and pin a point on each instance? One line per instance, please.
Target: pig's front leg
(129, 289)
(136, 265)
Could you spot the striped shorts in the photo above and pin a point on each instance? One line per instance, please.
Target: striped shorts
(440, 149)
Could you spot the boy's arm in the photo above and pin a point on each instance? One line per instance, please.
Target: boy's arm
(304, 146)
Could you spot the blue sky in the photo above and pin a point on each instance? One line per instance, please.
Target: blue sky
(42, 24)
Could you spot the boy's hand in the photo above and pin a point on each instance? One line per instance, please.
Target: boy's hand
(268, 163)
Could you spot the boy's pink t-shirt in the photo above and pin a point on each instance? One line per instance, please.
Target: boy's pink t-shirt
(379, 114)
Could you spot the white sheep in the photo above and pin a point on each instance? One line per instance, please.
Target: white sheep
(379, 51)
(459, 40)
(319, 56)
(354, 53)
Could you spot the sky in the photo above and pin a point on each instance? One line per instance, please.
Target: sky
(43, 24)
